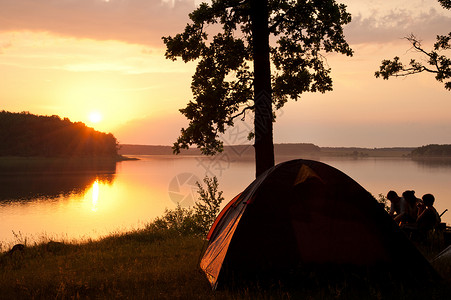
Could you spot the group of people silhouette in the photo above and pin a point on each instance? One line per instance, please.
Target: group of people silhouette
(412, 213)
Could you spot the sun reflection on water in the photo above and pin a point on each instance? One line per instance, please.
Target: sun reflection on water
(95, 195)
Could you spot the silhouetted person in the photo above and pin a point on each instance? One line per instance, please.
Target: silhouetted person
(412, 206)
(429, 217)
(398, 206)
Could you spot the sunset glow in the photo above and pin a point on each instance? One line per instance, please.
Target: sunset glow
(95, 117)
(95, 195)
(116, 67)
(129, 127)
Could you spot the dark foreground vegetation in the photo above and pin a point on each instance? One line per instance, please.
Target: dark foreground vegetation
(163, 264)
(161, 261)
(25, 134)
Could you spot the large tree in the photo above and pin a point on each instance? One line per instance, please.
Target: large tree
(436, 62)
(233, 74)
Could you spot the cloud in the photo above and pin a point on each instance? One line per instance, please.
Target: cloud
(146, 21)
(132, 21)
(4, 45)
(389, 25)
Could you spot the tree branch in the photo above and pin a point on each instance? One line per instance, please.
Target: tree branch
(242, 113)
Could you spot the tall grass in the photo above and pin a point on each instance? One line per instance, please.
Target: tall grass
(141, 264)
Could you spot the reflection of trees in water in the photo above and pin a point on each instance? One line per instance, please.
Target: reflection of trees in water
(433, 162)
(52, 180)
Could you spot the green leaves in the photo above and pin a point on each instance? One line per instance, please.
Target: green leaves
(207, 207)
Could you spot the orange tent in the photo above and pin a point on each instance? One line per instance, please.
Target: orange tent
(305, 214)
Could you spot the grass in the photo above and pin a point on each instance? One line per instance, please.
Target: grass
(140, 265)
(153, 264)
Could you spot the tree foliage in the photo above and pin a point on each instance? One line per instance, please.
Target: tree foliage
(445, 3)
(25, 134)
(436, 61)
(220, 38)
(432, 150)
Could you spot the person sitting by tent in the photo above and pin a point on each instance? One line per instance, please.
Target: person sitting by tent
(398, 206)
(429, 217)
(426, 221)
(412, 207)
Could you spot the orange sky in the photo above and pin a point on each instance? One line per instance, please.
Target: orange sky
(75, 57)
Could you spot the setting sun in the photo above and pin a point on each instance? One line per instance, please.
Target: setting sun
(95, 117)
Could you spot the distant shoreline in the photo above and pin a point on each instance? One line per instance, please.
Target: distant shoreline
(66, 158)
(281, 150)
(246, 152)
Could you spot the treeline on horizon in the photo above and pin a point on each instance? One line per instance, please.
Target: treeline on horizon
(298, 149)
(233, 151)
(25, 134)
(432, 150)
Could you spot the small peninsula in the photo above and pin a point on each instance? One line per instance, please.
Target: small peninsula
(28, 135)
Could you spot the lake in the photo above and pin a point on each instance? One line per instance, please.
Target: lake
(87, 203)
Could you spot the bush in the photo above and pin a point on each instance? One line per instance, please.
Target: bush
(181, 220)
(384, 202)
(207, 208)
(195, 220)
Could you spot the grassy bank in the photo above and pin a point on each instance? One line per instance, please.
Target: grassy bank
(142, 264)
(152, 264)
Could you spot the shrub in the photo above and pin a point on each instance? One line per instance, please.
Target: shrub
(195, 220)
(384, 202)
(181, 220)
(207, 207)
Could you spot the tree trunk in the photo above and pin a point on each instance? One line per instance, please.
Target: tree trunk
(264, 148)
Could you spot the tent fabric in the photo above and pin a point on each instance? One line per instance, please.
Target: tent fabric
(443, 256)
(304, 213)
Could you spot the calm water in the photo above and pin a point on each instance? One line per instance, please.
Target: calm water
(89, 203)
